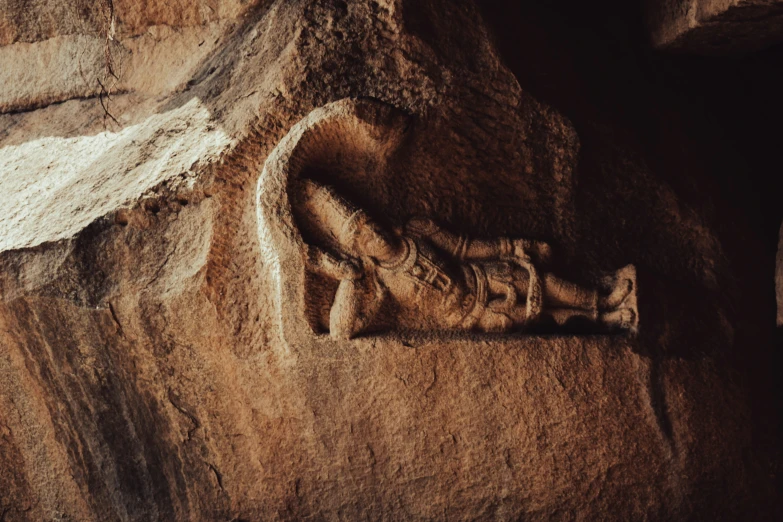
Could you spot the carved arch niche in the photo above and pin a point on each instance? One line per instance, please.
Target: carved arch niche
(331, 209)
(349, 144)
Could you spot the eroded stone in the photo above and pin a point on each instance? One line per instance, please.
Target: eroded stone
(715, 26)
(147, 372)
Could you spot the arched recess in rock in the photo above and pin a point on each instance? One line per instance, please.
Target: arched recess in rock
(353, 142)
(381, 276)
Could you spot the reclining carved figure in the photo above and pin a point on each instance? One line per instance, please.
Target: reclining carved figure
(432, 279)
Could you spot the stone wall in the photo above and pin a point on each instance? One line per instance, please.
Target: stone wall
(54, 51)
(144, 373)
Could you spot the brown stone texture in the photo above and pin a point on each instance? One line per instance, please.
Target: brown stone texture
(55, 50)
(145, 370)
(37, 20)
(715, 26)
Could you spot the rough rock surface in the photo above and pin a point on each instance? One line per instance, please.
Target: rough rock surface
(38, 20)
(143, 375)
(54, 51)
(715, 26)
(779, 279)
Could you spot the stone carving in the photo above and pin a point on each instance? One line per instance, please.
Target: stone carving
(335, 269)
(424, 277)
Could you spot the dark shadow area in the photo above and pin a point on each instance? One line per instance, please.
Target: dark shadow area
(593, 63)
(706, 127)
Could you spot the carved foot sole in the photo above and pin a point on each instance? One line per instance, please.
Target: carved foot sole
(619, 287)
(622, 288)
(624, 319)
(620, 305)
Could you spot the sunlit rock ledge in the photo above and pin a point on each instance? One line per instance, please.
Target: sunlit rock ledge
(79, 179)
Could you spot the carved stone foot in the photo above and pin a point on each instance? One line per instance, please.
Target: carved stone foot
(619, 305)
(624, 318)
(622, 288)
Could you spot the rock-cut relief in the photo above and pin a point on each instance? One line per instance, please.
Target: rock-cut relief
(339, 270)
(424, 277)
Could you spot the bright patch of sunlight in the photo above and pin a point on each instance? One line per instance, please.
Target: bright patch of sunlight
(54, 187)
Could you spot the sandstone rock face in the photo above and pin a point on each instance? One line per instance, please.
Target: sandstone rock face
(54, 51)
(148, 369)
(715, 26)
(40, 20)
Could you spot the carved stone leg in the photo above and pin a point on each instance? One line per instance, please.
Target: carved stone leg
(559, 293)
(563, 315)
